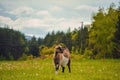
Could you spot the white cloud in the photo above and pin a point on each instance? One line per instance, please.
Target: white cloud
(55, 8)
(22, 23)
(5, 20)
(17, 24)
(62, 24)
(43, 13)
(35, 23)
(42, 25)
(72, 23)
(29, 12)
(22, 11)
(46, 24)
(86, 7)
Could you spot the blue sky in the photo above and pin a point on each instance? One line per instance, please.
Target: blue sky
(38, 17)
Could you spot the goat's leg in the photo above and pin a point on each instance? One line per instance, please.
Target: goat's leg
(63, 68)
(69, 66)
(57, 68)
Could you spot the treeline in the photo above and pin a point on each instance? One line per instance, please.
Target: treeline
(12, 44)
(15, 46)
(101, 39)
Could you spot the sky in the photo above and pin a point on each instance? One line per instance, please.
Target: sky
(38, 17)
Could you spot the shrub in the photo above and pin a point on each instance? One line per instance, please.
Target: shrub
(44, 50)
(23, 57)
(30, 57)
(87, 53)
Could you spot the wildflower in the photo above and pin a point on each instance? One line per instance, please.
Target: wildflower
(116, 75)
(36, 74)
(23, 73)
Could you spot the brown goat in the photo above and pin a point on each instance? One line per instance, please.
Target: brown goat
(61, 58)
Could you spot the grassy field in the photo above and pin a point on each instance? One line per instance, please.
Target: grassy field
(43, 70)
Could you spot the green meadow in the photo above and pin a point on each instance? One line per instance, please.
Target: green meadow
(43, 69)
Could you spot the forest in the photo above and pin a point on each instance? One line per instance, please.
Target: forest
(99, 40)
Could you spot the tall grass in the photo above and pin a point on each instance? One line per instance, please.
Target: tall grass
(44, 70)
